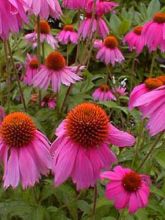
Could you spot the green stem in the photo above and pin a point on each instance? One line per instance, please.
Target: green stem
(94, 202)
(17, 76)
(151, 150)
(152, 64)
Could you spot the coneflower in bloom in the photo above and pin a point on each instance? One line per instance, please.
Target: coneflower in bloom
(91, 25)
(149, 97)
(31, 68)
(49, 101)
(135, 40)
(75, 4)
(81, 149)
(45, 35)
(119, 91)
(108, 51)
(153, 32)
(102, 6)
(127, 189)
(44, 8)
(11, 17)
(24, 151)
(103, 93)
(68, 35)
(56, 72)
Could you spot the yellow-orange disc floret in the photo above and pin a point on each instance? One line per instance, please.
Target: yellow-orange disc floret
(68, 27)
(138, 30)
(159, 17)
(111, 42)
(87, 125)
(104, 88)
(153, 83)
(34, 64)
(55, 61)
(131, 181)
(44, 27)
(17, 130)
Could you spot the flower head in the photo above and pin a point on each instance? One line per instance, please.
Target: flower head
(81, 149)
(103, 93)
(56, 72)
(45, 35)
(68, 35)
(108, 51)
(127, 189)
(135, 40)
(23, 146)
(74, 4)
(153, 32)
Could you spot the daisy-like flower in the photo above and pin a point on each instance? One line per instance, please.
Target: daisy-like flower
(74, 4)
(24, 151)
(81, 149)
(91, 25)
(149, 97)
(45, 35)
(135, 40)
(153, 32)
(103, 93)
(32, 67)
(119, 91)
(108, 51)
(102, 6)
(127, 189)
(56, 72)
(68, 35)
(44, 8)
(11, 17)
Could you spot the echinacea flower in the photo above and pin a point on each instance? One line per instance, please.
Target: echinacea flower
(91, 25)
(24, 151)
(127, 189)
(103, 93)
(68, 35)
(102, 6)
(149, 97)
(56, 72)
(119, 91)
(74, 4)
(32, 67)
(81, 149)
(49, 101)
(153, 32)
(135, 40)
(12, 15)
(108, 51)
(45, 35)
(44, 8)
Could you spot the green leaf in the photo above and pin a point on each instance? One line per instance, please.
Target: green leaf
(160, 158)
(115, 23)
(153, 7)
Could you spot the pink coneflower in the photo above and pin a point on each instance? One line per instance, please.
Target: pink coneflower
(68, 35)
(12, 16)
(149, 97)
(49, 101)
(56, 72)
(119, 91)
(135, 40)
(127, 189)
(24, 151)
(45, 35)
(102, 6)
(44, 8)
(153, 32)
(74, 4)
(103, 93)
(91, 25)
(108, 51)
(32, 67)
(81, 149)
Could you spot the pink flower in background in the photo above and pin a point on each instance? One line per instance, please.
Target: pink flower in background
(45, 35)
(102, 6)
(11, 17)
(119, 91)
(32, 67)
(91, 25)
(153, 33)
(108, 51)
(44, 8)
(24, 151)
(81, 149)
(68, 35)
(56, 72)
(135, 40)
(127, 189)
(149, 97)
(103, 93)
(49, 101)
(74, 4)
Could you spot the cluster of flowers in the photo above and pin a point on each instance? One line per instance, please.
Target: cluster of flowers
(81, 150)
